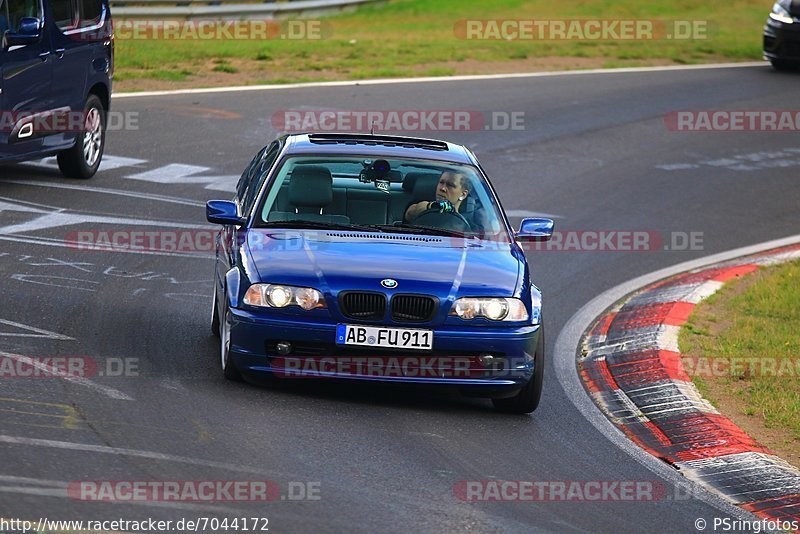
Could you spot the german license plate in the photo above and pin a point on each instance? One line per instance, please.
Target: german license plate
(379, 336)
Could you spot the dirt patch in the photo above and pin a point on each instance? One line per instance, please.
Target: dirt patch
(237, 71)
(729, 394)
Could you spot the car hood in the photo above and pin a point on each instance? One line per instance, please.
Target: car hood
(337, 261)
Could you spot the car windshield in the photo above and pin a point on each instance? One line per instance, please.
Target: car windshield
(398, 195)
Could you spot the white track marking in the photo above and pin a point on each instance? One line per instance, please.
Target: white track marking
(150, 455)
(79, 380)
(180, 173)
(106, 191)
(109, 163)
(59, 218)
(59, 489)
(32, 332)
(565, 362)
(438, 79)
(525, 213)
(63, 243)
(753, 161)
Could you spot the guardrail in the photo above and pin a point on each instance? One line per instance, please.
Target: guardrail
(231, 9)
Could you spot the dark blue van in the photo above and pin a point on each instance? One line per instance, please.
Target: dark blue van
(57, 60)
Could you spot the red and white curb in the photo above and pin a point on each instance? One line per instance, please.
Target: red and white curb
(632, 368)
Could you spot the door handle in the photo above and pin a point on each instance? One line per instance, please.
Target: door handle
(60, 52)
(44, 55)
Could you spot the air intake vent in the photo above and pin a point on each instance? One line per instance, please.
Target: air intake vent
(413, 308)
(366, 306)
(390, 237)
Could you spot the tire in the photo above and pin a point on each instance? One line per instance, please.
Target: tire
(229, 369)
(784, 65)
(527, 400)
(83, 159)
(215, 316)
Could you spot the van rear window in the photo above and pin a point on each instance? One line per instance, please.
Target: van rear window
(63, 14)
(90, 11)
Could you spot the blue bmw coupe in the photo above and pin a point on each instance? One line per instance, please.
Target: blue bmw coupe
(377, 258)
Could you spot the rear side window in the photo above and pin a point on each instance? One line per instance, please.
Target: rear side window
(63, 14)
(259, 174)
(90, 12)
(19, 9)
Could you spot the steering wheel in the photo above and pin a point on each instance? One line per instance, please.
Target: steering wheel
(448, 220)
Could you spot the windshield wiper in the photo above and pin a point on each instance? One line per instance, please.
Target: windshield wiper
(318, 225)
(405, 228)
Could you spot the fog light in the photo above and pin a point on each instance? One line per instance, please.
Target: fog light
(486, 359)
(283, 347)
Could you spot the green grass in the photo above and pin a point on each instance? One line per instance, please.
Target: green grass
(416, 37)
(763, 321)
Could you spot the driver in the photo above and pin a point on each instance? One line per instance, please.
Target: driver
(451, 191)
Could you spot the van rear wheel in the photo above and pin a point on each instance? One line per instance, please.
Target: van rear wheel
(83, 159)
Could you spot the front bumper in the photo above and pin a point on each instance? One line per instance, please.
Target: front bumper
(782, 41)
(254, 338)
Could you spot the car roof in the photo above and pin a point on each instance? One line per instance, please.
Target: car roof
(385, 146)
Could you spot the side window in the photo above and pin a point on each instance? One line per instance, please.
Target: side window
(19, 9)
(259, 175)
(89, 12)
(3, 18)
(63, 14)
(244, 181)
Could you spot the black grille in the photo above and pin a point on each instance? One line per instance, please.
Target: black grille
(363, 305)
(413, 308)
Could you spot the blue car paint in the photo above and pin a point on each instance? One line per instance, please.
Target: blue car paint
(446, 268)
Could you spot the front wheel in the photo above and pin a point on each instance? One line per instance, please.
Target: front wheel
(229, 369)
(527, 400)
(784, 65)
(83, 159)
(215, 316)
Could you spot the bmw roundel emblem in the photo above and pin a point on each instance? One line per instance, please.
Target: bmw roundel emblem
(388, 283)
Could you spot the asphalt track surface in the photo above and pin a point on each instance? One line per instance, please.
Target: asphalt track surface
(595, 152)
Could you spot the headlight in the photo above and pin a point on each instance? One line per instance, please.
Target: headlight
(278, 296)
(780, 12)
(495, 309)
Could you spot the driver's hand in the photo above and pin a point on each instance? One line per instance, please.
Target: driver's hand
(443, 206)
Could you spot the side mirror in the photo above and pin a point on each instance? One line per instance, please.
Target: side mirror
(28, 32)
(223, 212)
(535, 229)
